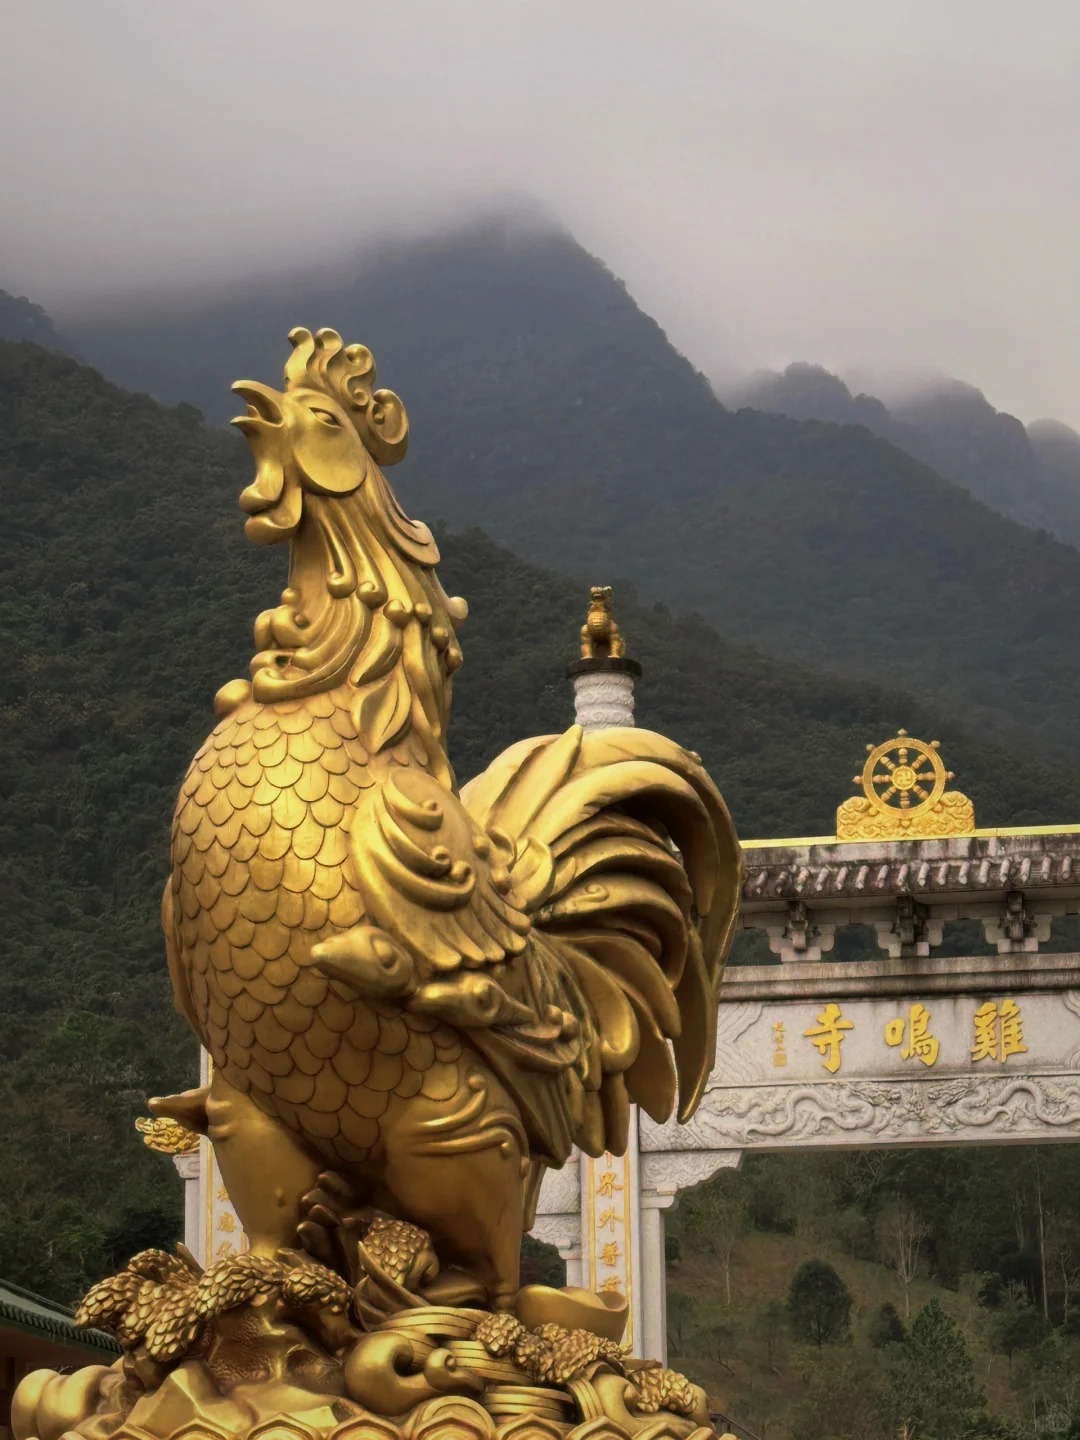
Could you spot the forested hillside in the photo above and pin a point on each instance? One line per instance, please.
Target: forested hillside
(548, 409)
(128, 592)
(872, 1294)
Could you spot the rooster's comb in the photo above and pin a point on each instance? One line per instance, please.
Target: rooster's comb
(347, 373)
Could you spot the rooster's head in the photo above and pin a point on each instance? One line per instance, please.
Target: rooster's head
(361, 573)
(319, 435)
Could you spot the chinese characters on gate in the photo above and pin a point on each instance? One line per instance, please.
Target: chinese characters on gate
(609, 1219)
(998, 1032)
(918, 1042)
(227, 1237)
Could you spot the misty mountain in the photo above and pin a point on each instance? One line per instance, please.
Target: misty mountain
(810, 392)
(129, 597)
(949, 426)
(1057, 448)
(548, 409)
(21, 319)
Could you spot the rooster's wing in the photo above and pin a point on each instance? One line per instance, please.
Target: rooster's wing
(547, 914)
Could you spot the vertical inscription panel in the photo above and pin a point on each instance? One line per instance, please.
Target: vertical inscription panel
(220, 1230)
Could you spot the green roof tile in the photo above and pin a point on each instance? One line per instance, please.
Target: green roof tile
(36, 1315)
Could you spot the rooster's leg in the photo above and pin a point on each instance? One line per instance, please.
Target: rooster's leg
(265, 1168)
(458, 1167)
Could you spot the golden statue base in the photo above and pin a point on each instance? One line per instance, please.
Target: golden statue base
(284, 1348)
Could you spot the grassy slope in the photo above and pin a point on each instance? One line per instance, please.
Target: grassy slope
(741, 1382)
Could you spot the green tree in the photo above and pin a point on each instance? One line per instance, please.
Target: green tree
(716, 1217)
(993, 1427)
(769, 1327)
(819, 1304)
(1016, 1325)
(1049, 1375)
(933, 1390)
(885, 1327)
(902, 1231)
(811, 1199)
(681, 1318)
(541, 1264)
(841, 1400)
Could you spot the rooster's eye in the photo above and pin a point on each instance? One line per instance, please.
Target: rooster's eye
(327, 418)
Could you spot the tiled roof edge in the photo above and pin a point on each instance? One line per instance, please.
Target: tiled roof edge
(60, 1323)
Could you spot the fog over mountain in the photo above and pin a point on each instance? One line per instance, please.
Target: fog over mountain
(771, 181)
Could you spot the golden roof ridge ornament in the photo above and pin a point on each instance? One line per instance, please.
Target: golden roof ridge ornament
(601, 638)
(604, 677)
(904, 795)
(166, 1136)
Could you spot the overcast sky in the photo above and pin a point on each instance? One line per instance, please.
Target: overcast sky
(852, 181)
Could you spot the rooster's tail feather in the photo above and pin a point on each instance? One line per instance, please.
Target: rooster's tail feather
(626, 854)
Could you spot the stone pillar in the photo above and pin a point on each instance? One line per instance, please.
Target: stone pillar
(611, 1230)
(571, 1254)
(663, 1173)
(566, 1239)
(654, 1275)
(603, 692)
(190, 1167)
(610, 1188)
(217, 1225)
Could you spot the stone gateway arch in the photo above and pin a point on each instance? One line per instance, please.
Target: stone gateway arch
(916, 1047)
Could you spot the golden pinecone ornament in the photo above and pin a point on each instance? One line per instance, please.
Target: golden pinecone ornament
(499, 1333)
(403, 1251)
(158, 1265)
(572, 1350)
(176, 1323)
(661, 1389)
(105, 1304)
(310, 1287)
(152, 1300)
(236, 1280)
(140, 1312)
(532, 1353)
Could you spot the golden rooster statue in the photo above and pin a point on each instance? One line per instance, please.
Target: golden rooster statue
(415, 1000)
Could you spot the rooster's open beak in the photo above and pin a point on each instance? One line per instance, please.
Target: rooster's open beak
(273, 506)
(263, 404)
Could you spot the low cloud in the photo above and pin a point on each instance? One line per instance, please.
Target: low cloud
(892, 189)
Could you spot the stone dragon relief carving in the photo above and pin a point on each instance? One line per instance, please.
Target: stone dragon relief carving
(995, 1107)
(673, 1170)
(1071, 1001)
(735, 1067)
(561, 1191)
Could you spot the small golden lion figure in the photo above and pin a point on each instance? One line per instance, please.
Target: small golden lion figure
(600, 637)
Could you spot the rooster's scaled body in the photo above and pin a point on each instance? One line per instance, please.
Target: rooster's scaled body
(434, 995)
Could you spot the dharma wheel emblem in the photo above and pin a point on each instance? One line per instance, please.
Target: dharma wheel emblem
(915, 777)
(904, 795)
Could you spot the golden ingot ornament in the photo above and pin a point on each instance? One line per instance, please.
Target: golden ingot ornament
(415, 1000)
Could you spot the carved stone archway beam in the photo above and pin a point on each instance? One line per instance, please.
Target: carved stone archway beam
(800, 893)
